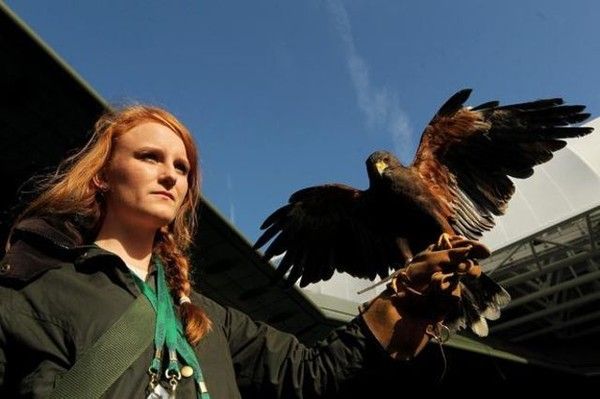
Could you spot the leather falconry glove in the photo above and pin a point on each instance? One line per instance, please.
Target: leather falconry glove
(405, 315)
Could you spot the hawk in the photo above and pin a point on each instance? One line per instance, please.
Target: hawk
(457, 183)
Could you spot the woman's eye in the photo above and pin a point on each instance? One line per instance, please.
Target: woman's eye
(148, 156)
(183, 169)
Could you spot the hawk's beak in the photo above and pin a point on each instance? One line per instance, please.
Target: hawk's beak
(381, 166)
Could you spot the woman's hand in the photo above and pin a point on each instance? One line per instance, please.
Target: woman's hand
(437, 268)
(402, 317)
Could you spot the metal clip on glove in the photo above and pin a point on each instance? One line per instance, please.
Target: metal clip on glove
(410, 311)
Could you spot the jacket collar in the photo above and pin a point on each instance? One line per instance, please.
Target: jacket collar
(53, 231)
(39, 245)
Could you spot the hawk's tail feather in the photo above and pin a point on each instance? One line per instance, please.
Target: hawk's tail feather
(481, 299)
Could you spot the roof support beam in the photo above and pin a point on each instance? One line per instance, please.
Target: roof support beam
(561, 264)
(586, 278)
(558, 326)
(548, 311)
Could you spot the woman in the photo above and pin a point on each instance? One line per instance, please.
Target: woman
(113, 225)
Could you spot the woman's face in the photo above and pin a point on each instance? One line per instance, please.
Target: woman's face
(147, 177)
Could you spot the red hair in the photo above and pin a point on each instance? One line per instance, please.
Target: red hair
(73, 191)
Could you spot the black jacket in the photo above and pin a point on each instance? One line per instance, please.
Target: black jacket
(57, 298)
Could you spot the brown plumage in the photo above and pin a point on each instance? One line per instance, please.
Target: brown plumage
(458, 181)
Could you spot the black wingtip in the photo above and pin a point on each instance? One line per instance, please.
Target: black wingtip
(454, 103)
(487, 105)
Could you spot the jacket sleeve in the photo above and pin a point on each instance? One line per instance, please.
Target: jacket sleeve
(2, 368)
(2, 359)
(271, 363)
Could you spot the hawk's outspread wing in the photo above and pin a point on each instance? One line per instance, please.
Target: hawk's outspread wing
(466, 155)
(327, 228)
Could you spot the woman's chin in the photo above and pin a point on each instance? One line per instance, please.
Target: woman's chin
(156, 220)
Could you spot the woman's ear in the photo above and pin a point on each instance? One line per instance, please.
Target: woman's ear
(100, 184)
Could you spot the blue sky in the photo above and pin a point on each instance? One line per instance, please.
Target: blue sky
(281, 94)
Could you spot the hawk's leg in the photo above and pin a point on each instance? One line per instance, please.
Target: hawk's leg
(406, 252)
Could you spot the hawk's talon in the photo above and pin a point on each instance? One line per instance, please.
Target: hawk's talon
(444, 241)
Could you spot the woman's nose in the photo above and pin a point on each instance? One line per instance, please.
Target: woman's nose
(168, 176)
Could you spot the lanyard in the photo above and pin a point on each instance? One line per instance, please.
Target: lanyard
(169, 332)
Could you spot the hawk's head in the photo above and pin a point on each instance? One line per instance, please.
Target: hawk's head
(380, 161)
